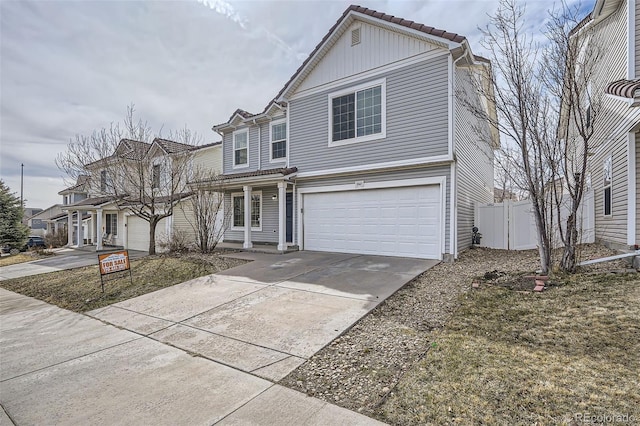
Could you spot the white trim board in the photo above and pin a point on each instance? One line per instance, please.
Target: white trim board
(377, 166)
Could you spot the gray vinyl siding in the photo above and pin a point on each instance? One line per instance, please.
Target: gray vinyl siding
(417, 121)
(423, 172)
(637, 40)
(612, 124)
(474, 161)
(269, 233)
(227, 147)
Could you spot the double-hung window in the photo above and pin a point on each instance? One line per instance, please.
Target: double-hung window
(111, 224)
(237, 201)
(278, 140)
(241, 148)
(358, 114)
(607, 179)
(155, 178)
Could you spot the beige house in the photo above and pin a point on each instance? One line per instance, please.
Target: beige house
(108, 223)
(614, 29)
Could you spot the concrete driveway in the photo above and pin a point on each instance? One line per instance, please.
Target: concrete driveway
(205, 351)
(65, 258)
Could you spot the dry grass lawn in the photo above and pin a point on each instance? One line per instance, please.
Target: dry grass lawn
(508, 357)
(79, 289)
(15, 259)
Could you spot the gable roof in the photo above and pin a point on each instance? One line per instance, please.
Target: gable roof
(364, 12)
(81, 181)
(172, 147)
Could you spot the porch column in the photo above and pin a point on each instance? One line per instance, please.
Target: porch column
(69, 228)
(80, 231)
(92, 228)
(247, 218)
(99, 229)
(282, 214)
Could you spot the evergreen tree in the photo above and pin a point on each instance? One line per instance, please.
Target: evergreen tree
(12, 232)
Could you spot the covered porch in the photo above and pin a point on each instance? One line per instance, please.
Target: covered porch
(259, 207)
(99, 224)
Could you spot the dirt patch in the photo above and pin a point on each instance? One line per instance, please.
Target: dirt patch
(80, 290)
(28, 256)
(386, 365)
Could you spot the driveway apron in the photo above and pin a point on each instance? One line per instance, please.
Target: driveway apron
(205, 351)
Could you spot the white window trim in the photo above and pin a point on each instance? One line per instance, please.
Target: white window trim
(233, 153)
(610, 160)
(117, 223)
(271, 141)
(376, 136)
(241, 194)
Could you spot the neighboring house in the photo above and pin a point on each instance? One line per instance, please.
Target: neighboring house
(43, 220)
(367, 148)
(112, 223)
(613, 29)
(36, 226)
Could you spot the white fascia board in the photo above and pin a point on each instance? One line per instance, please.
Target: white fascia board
(440, 41)
(346, 22)
(354, 79)
(379, 166)
(631, 29)
(632, 172)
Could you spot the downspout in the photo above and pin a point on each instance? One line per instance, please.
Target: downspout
(453, 200)
(259, 145)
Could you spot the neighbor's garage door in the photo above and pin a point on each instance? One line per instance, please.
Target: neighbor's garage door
(390, 222)
(138, 233)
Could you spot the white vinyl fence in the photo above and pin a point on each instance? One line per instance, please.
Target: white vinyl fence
(511, 225)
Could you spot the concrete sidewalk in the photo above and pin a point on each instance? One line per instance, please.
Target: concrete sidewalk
(65, 258)
(59, 367)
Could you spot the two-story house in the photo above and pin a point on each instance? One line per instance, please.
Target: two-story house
(367, 148)
(613, 31)
(109, 207)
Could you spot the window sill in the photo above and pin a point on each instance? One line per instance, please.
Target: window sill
(240, 166)
(360, 139)
(278, 160)
(236, 228)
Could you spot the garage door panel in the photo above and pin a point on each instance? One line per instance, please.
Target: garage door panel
(390, 221)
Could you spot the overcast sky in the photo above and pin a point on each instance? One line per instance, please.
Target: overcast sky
(71, 67)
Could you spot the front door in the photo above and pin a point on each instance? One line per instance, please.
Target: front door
(289, 216)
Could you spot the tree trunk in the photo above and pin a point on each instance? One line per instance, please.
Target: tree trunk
(152, 235)
(568, 262)
(543, 242)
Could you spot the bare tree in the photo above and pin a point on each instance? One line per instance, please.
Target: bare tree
(571, 56)
(139, 173)
(208, 218)
(523, 113)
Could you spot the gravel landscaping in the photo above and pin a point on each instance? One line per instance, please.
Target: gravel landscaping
(360, 369)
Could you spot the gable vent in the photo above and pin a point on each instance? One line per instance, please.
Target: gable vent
(355, 36)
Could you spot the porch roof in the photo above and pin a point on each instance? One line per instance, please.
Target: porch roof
(253, 177)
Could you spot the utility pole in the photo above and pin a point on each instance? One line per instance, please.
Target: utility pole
(22, 185)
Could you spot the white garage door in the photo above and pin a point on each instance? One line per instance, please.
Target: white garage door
(138, 233)
(390, 222)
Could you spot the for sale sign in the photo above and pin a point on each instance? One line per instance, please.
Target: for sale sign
(113, 262)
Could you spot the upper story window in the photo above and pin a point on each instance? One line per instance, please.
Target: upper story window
(155, 176)
(358, 114)
(278, 140)
(104, 181)
(241, 148)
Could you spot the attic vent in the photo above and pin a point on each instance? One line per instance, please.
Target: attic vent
(355, 36)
